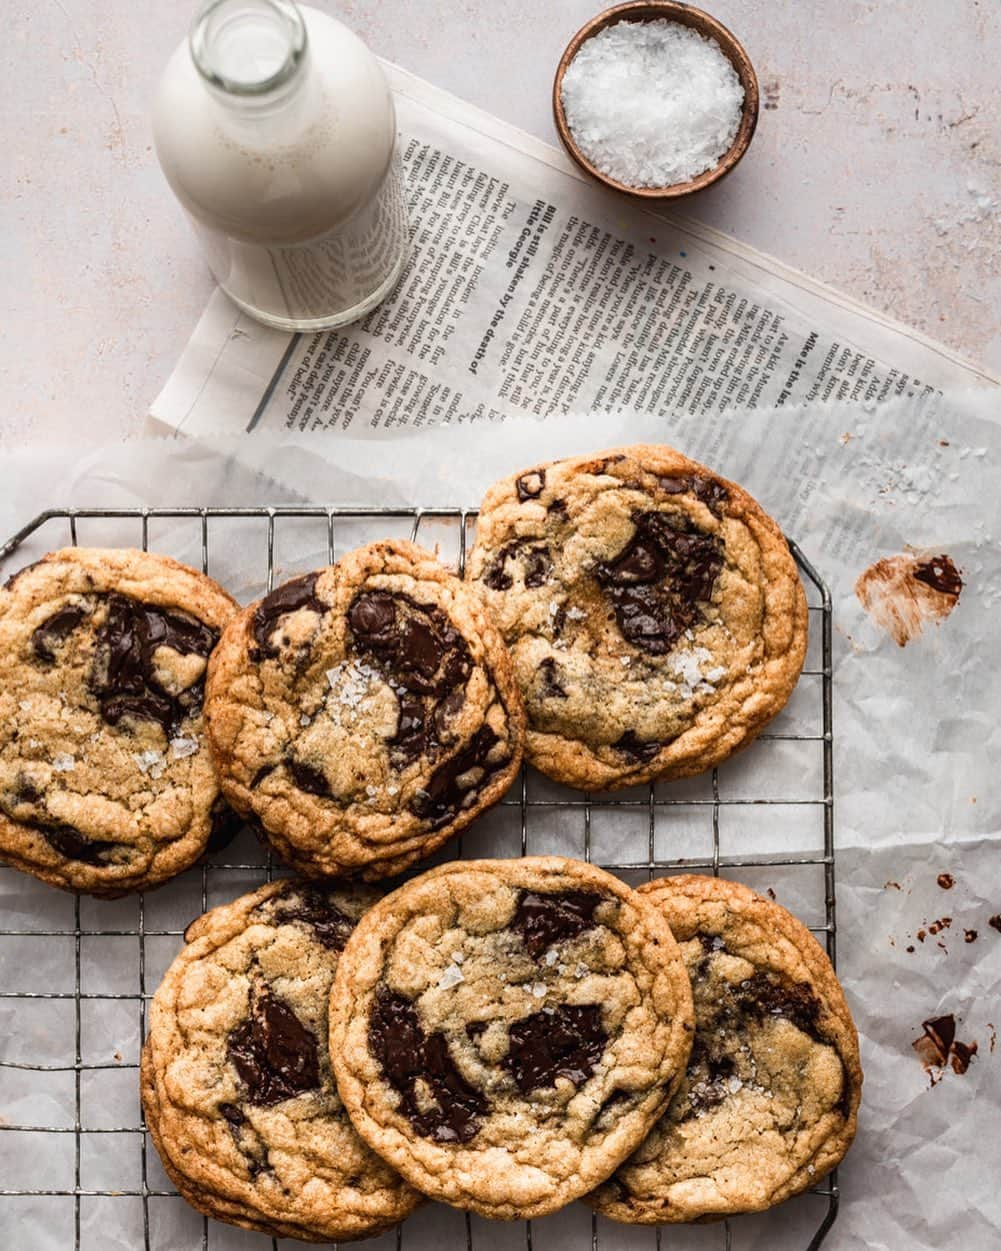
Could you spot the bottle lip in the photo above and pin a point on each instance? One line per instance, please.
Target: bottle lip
(206, 25)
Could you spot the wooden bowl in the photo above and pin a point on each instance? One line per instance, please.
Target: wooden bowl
(685, 15)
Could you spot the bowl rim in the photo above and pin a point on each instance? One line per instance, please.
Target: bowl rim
(704, 23)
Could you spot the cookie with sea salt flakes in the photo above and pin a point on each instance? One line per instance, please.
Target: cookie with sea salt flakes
(106, 783)
(770, 1098)
(363, 714)
(505, 1032)
(236, 1083)
(654, 613)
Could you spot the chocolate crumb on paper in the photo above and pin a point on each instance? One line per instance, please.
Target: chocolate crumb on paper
(995, 922)
(938, 1048)
(946, 881)
(902, 594)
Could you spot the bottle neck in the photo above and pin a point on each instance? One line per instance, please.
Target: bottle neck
(252, 54)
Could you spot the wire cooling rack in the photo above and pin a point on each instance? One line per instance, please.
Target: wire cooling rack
(109, 1190)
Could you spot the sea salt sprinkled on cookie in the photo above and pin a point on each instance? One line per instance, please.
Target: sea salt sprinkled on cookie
(63, 763)
(181, 747)
(150, 762)
(451, 977)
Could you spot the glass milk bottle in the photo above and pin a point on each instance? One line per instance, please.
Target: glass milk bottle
(275, 127)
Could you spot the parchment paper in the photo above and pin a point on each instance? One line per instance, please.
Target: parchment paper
(917, 750)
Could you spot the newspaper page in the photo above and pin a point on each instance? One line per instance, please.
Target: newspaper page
(529, 290)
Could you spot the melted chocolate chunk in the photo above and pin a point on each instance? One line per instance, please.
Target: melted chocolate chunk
(766, 994)
(530, 485)
(124, 676)
(710, 491)
(54, 630)
(474, 1029)
(536, 561)
(408, 1056)
(659, 578)
(290, 597)
(410, 740)
(550, 686)
(232, 1115)
(567, 1042)
(445, 796)
(275, 1055)
(416, 643)
(940, 574)
(445, 713)
(635, 747)
(263, 772)
(542, 920)
(559, 510)
(69, 842)
(329, 924)
(226, 824)
(25, 791)
(307, 778)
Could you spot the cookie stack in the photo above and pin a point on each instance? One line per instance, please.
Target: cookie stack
(504, 1036)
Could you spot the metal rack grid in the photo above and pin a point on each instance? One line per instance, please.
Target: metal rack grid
(135, 526)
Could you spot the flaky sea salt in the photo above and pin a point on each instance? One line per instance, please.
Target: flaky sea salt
(181, 747)
(150, 762)
(451, 977)
(63, 763)
(652, 104)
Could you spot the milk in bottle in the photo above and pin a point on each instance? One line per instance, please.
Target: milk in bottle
(275, 128)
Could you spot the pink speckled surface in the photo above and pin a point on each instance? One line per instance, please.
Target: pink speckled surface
(877, 167)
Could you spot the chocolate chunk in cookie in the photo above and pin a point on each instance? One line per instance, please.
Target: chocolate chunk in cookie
(106, 782)
(503, 1032)
(771, 1092)
(237, 1087)
(364, 714)
(654, 613)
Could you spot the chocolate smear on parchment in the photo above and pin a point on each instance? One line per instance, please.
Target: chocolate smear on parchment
(938, 1048)
(902, 594)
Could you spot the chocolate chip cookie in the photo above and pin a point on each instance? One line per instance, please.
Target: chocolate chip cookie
(769, 1102)
(363, 714)
(106, 783)
(236, 1083)
(654, 613)
(505, 1032)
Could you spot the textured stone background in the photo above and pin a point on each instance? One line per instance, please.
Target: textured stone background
(877, 167)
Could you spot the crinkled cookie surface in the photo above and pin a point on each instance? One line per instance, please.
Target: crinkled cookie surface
(771, 1094)
(363, 714)
(237, 1087)
(505, 1032)
(654, 613)
(106, 780)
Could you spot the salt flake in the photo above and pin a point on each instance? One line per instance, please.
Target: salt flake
(451, 977)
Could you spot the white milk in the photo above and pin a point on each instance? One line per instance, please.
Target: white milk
(275, 128)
